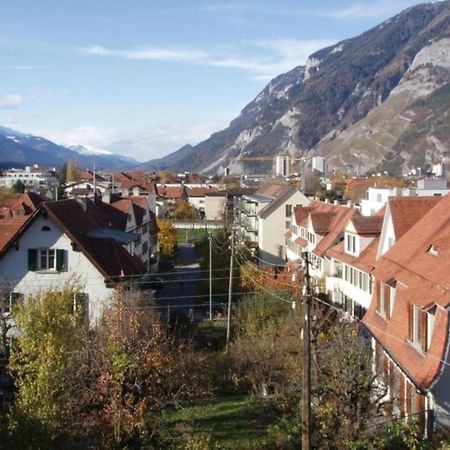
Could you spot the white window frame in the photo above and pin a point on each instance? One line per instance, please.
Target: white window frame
(48, 254)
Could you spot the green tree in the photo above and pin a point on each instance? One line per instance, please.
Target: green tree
(18, 187)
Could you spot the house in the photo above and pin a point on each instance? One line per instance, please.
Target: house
(317, 228)
(432, 187)
(409, 313)
(15, 212)
(75, 241)
(273, 220)
(376, 198)
(246, 209)
(349, 283)
(197, 196)
(85, 189)
(141, 220)
(88, 175)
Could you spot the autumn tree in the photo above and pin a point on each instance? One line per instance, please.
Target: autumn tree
(167, 238)
(184, 210)
(73, 172)
(165, 177)
(44, 363)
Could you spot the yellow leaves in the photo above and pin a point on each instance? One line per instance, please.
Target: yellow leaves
(167, 238)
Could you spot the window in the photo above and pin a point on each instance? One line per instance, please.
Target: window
(145, 248)
(10, 301)
(80, 303)
(351, 243)
(418, 327)
(46, 259)
(288, 210)
(385, 299)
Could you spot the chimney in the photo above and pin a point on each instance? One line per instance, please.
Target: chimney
(336, 202)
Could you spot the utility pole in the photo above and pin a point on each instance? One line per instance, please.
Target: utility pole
(94, 180)
(230, 289)
(306, 382)
(210, 275)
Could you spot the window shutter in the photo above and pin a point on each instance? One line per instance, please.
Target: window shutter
(387, 301)
(410, 322)
(59, 260)
(32, 259)
(424, 330)
(378, 296)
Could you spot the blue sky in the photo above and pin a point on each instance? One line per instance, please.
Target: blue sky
(142, 78)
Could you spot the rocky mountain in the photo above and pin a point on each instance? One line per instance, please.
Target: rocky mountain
(376, 101)
(20, 149)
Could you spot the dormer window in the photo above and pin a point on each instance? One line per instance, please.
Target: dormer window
(350, 244)
(419, 327)
(385, 299)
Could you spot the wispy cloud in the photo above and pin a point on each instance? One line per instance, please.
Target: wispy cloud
(149, 53)
(10, 101)
(273, 56)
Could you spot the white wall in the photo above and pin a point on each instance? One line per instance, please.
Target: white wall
(14, 268)
(271, 230)
(214, 207)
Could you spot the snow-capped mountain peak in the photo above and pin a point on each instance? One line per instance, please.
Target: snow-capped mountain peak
(88, 150)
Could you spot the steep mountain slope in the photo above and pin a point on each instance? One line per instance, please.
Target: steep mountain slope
(311, 106)
(25, 149)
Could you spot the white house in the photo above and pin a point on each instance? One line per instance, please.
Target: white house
(273, 221)
(72, 241)
(376, 198)
(349, 282)
(316, 229)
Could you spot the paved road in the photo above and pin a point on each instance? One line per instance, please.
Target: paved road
(180, 288)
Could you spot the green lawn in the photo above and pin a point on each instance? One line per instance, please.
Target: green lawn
(191, 234)
(232, 422)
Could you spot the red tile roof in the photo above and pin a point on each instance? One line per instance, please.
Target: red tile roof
(271, 190)
(9, 228)
(173, 193)
(406, 211)
(200, 191)
(367, 224)
(365, 261)
(423, 278)
(77, 217)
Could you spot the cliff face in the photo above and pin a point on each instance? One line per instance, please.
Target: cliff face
(348, 103)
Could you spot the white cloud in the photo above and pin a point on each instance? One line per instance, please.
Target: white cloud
(280, 55)
(138, 142)
(11, 101)
(149, 54)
